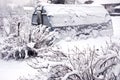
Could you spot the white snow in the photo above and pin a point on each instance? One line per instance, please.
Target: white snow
(106, 1)
(6, 25)
(12, 70)
(96, 43)
(117, 7)
(31, 45)
(116, 26)
(28, 8)
(19, 2)
(75, 14)
(116, 69)
(12, 6)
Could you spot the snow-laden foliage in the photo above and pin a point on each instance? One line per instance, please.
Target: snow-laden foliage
(25, 34)
(89, 64)
(42, 37)
(14, 22)
(93, 64)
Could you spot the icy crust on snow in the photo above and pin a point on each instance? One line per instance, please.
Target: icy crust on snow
(74, 15)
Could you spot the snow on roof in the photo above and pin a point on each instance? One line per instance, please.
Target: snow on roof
(106, 1)
(66, 15)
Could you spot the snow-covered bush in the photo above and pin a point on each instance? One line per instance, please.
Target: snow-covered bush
(58, 71)
(89, 64)
(10, 45)
(15, 28)
(43, 37)
(40, 35)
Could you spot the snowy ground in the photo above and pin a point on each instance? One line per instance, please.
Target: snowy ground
(116, 26)
(94, 42)
(12, 70)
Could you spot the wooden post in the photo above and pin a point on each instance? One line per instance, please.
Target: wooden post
(30, 39)
(18, 28)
